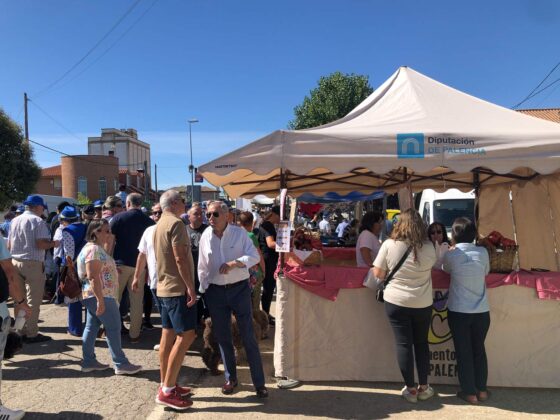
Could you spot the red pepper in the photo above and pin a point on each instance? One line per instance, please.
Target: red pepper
(494, 237)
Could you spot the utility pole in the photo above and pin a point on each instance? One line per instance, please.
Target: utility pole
(155, 174)
(146, 193)
(26, 125)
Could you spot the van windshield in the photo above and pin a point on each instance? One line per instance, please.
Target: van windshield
(446, 211)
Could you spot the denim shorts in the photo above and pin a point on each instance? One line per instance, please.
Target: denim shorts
(176, 314)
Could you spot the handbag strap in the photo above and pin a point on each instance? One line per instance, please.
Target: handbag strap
(397, 267)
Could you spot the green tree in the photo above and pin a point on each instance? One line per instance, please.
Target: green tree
(334, 97)
(83, 200)
(18, 170)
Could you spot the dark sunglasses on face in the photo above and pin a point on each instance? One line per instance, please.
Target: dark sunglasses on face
(216, 214)
(157, 212)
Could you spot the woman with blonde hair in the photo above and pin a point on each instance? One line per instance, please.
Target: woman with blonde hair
(408, 298)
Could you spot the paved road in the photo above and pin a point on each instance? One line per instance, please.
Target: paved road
(45, 380)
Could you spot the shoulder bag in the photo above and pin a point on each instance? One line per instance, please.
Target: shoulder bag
(381, 289)
(69, 284)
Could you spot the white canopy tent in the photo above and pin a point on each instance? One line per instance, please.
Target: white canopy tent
(411, 130)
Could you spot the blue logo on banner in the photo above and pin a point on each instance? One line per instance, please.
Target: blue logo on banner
(410, 146)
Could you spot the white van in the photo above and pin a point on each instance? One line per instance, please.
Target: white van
(446, 207)
(52, 201)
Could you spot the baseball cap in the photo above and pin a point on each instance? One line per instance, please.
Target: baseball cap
(35, 200)
(88, 209)
(98, 203)
(68, 213)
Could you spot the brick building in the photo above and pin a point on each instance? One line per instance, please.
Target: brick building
(50, 182)
(95, 177)
(117, 157)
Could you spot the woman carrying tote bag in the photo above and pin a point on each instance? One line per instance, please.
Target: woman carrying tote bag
(408, 299)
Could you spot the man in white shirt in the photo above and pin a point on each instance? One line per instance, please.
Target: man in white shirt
(147, 256)
(325, 226)
(340, 228)
(225, 254)
(28, 239)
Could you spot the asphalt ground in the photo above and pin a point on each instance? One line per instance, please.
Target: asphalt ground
(45, 380)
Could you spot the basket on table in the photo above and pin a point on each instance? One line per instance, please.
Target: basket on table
(306, 247)
(502, 260)
(502, 252)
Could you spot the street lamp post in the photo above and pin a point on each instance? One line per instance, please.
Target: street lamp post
(191, 167)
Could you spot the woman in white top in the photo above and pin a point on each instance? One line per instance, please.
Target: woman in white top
(368, 243)
(408, 299)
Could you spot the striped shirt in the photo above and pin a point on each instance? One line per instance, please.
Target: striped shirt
(24, 233)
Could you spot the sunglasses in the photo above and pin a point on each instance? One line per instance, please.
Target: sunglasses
(212, 213)
(433, 232)
(157, 212)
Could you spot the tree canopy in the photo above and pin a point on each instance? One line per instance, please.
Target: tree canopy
(334, 97)
(18, 170)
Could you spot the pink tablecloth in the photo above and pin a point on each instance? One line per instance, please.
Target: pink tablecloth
(325, 280)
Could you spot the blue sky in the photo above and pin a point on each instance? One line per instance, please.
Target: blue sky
(240, 67)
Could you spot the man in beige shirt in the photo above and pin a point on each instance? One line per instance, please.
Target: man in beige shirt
(177, 298)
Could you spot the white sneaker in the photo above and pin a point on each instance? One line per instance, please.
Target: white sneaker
(156, 347)
(425, 394)
(7, 414)
(410, 396)
(96, 366)
(129, 369)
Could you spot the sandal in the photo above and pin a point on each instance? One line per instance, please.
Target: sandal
(482, 399)
(471, 399)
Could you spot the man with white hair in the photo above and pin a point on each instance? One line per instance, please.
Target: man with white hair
(128, 227)
(225, 254)
(177, 299)
(28, 239)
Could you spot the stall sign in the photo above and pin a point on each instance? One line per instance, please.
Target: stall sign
(283, 237)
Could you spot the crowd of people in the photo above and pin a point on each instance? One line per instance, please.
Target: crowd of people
(191, 263)
(213, 261)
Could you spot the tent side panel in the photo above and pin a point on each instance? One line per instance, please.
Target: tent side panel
(533, 225)
(553, 186)
(494, 210)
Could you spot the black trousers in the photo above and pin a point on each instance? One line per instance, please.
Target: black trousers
(148, 302)
(469, 332)
(410, 327)
(269, 283)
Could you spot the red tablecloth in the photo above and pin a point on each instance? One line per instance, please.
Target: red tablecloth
(326, 281)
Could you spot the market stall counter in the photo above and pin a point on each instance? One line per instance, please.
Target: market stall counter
(330, 328)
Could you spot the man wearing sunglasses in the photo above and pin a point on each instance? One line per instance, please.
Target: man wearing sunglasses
(156, 212)
(225, 254)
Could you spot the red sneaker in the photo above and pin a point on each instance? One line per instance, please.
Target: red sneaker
(173, 400)
(183, 391)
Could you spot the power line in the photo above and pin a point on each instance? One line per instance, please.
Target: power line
(54, 120)
(544, 88)
(73, 135)
(112, 45)
(52, 84)
(533, 93)
(78, 157)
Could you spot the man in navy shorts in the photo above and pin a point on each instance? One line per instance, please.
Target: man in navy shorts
(177, 297)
